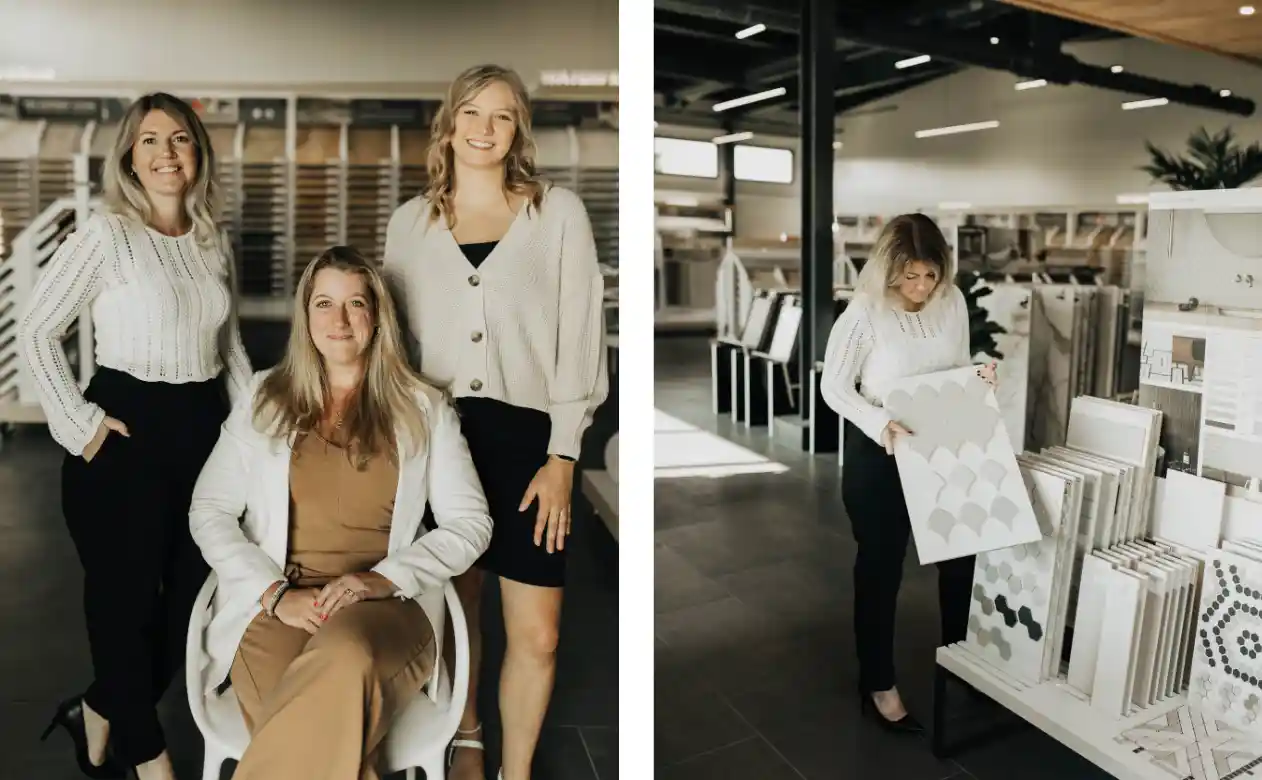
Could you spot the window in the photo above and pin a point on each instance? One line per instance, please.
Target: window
(679, 157)
(763, 163)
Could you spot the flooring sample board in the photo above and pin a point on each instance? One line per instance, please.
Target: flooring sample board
(964, 491)
(1013, 588)
(1065, 536)
(1190, 510)
(1183, 744)
(1110, 482)
(1242, 518)
(1123, 432)
(1148, 643)
(1008, 306)
(1225, 669)
(1231, 448)
(1088, 622)
(1051, 364)
(1115, 667)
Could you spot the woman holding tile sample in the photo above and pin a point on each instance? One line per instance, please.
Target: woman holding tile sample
(907, 318)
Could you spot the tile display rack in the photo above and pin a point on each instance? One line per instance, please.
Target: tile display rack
(1053, 708)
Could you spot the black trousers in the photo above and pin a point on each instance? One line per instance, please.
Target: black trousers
(127, 512)
(873, 496)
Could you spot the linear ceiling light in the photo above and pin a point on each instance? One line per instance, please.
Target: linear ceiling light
(754, 98)
(1132, 199)
(733, 138)
(1031, 84)
(1116, 69)
(1247, 10)
(912, 62)
(936, 131)
(751, 31)
(1149, 103)
(1224, 93)
(994, 40)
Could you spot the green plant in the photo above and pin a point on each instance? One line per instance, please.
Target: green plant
(981, 329)
(1212, 162)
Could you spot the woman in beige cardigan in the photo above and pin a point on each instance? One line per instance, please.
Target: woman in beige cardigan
(331, 458)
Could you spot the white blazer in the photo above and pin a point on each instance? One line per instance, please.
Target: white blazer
(248, 473)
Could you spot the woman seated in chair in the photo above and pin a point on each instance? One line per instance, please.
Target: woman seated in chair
(331, 458)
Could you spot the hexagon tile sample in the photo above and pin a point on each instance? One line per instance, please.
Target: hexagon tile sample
(1226, 673)
(960, 476)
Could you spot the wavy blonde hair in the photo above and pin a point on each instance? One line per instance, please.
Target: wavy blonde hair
(292, 399)
(519, 164)
(905, 239)
(126, 196)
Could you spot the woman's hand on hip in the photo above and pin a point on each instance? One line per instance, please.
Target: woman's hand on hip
(552, 486)
(890, 435)
(108, 425)
(297, 609)
(352, 589)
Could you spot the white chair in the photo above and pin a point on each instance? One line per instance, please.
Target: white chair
(418, 737)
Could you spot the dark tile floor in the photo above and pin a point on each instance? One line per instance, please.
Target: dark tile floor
(754, 654)
(43, 650)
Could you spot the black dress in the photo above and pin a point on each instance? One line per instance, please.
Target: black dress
(509, 444)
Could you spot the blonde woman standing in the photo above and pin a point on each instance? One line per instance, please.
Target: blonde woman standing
(154, 272)
(498, 274)
(316, 620)
(908, 318)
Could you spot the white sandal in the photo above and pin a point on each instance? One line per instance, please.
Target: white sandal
(473, 744)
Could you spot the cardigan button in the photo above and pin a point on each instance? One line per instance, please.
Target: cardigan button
(475, 385)
(474, 281)
(477, 336)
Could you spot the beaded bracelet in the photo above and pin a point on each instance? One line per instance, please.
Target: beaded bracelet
(272, 603)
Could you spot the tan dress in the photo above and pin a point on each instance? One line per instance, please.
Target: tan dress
(318, 706)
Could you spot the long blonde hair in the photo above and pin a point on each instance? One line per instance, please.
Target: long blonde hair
(519, 164)
(293, 398)
(905, 239)
(123, 192)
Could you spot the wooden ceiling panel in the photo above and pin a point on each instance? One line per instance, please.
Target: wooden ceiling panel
(1215, 26)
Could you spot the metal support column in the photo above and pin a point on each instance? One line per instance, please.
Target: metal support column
(727, 174)
(818, 121)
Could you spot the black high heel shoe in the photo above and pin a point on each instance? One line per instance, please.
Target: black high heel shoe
(904, 725)
(69, 716)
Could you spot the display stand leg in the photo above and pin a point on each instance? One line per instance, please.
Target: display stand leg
(721, 377)
(755, 392)
(736, 374)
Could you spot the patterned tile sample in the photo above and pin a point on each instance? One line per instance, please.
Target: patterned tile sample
(1008, 305)
(1014, 589)
(960, 478)
(1051, 365)
(1187, 745)
(1225, 667)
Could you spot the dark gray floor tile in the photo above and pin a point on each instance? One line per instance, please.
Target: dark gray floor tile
(1031, 755)
(602, 749)
(752, 759)
(689, 722)
(678, 585)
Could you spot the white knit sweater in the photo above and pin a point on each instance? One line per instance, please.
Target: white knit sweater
(527, 327)
(875, 345)
(162, 311)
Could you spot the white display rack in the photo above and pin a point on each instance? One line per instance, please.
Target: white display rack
(1058, 711)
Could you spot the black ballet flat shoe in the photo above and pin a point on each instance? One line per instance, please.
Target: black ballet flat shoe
(69, 716)
(904, 725)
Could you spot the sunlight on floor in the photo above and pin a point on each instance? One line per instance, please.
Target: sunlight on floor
(683, 450)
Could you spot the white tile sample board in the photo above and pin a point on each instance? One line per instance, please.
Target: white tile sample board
(964, 491)
(1008, 306)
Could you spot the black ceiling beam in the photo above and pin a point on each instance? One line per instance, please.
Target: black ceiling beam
(712, 121)
(855, 99)
(692, 68)
(1054, 66)
(722, 31)
(876, 69)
